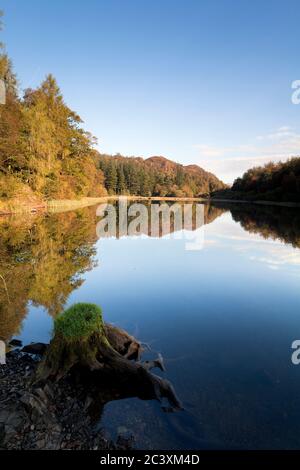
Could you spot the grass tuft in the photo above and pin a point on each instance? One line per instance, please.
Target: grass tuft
(79, 321)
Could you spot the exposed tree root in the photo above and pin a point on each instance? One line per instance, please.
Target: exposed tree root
(109, 360)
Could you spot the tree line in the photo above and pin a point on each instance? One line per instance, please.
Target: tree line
(155, 176)
(279, 182)
(274, 181)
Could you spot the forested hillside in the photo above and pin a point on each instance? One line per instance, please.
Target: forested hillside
(155, 176)
(272, 182)
(44, 151)
(46, 154)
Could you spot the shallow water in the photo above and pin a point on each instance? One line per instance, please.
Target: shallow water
(223, 316)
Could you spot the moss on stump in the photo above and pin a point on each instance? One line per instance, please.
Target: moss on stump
(82, 341)
(79, 322)
(78, 337)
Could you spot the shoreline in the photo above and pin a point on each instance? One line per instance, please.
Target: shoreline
(64, 205)
(11, 207)
(260, 203)
(47, 416)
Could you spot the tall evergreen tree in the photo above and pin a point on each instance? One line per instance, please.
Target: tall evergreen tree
(111, 179)
(121, 185)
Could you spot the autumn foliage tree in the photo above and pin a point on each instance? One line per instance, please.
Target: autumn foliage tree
(274, 182)
(43, 146)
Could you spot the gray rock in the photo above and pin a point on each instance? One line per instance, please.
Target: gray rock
(15, 419)
(42, 395)
(34, 406)
(40, 444)
(49, 391)
(4, 415)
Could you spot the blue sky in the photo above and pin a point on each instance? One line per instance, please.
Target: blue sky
(198, 81)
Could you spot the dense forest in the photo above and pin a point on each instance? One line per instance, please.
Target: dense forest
(155, 176)
(272, 182)
(44, 151)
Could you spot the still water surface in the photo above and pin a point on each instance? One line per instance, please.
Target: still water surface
(223, 317)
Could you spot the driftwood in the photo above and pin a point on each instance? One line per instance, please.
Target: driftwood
(109, 361)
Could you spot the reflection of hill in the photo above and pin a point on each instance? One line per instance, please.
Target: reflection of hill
(212, 212)
(278, 223)
(41, 260)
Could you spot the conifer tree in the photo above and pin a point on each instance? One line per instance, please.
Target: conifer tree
(121, 187)
(111, 179)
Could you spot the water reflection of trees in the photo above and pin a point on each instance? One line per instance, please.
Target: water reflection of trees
(43, 259)
(275, 222)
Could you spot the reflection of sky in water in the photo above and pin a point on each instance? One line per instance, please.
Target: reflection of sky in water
(224, 322)
(272, 253)
(37, 326)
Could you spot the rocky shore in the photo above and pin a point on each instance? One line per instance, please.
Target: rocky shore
(52, 395)
(49, 417)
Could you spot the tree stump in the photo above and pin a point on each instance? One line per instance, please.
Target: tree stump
(103, 354)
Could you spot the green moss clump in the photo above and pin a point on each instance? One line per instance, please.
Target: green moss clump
(79, 321)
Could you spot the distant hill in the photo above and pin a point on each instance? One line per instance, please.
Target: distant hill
(155, 176)
(278, 182)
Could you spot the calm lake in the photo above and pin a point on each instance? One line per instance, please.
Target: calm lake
(223, 316)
